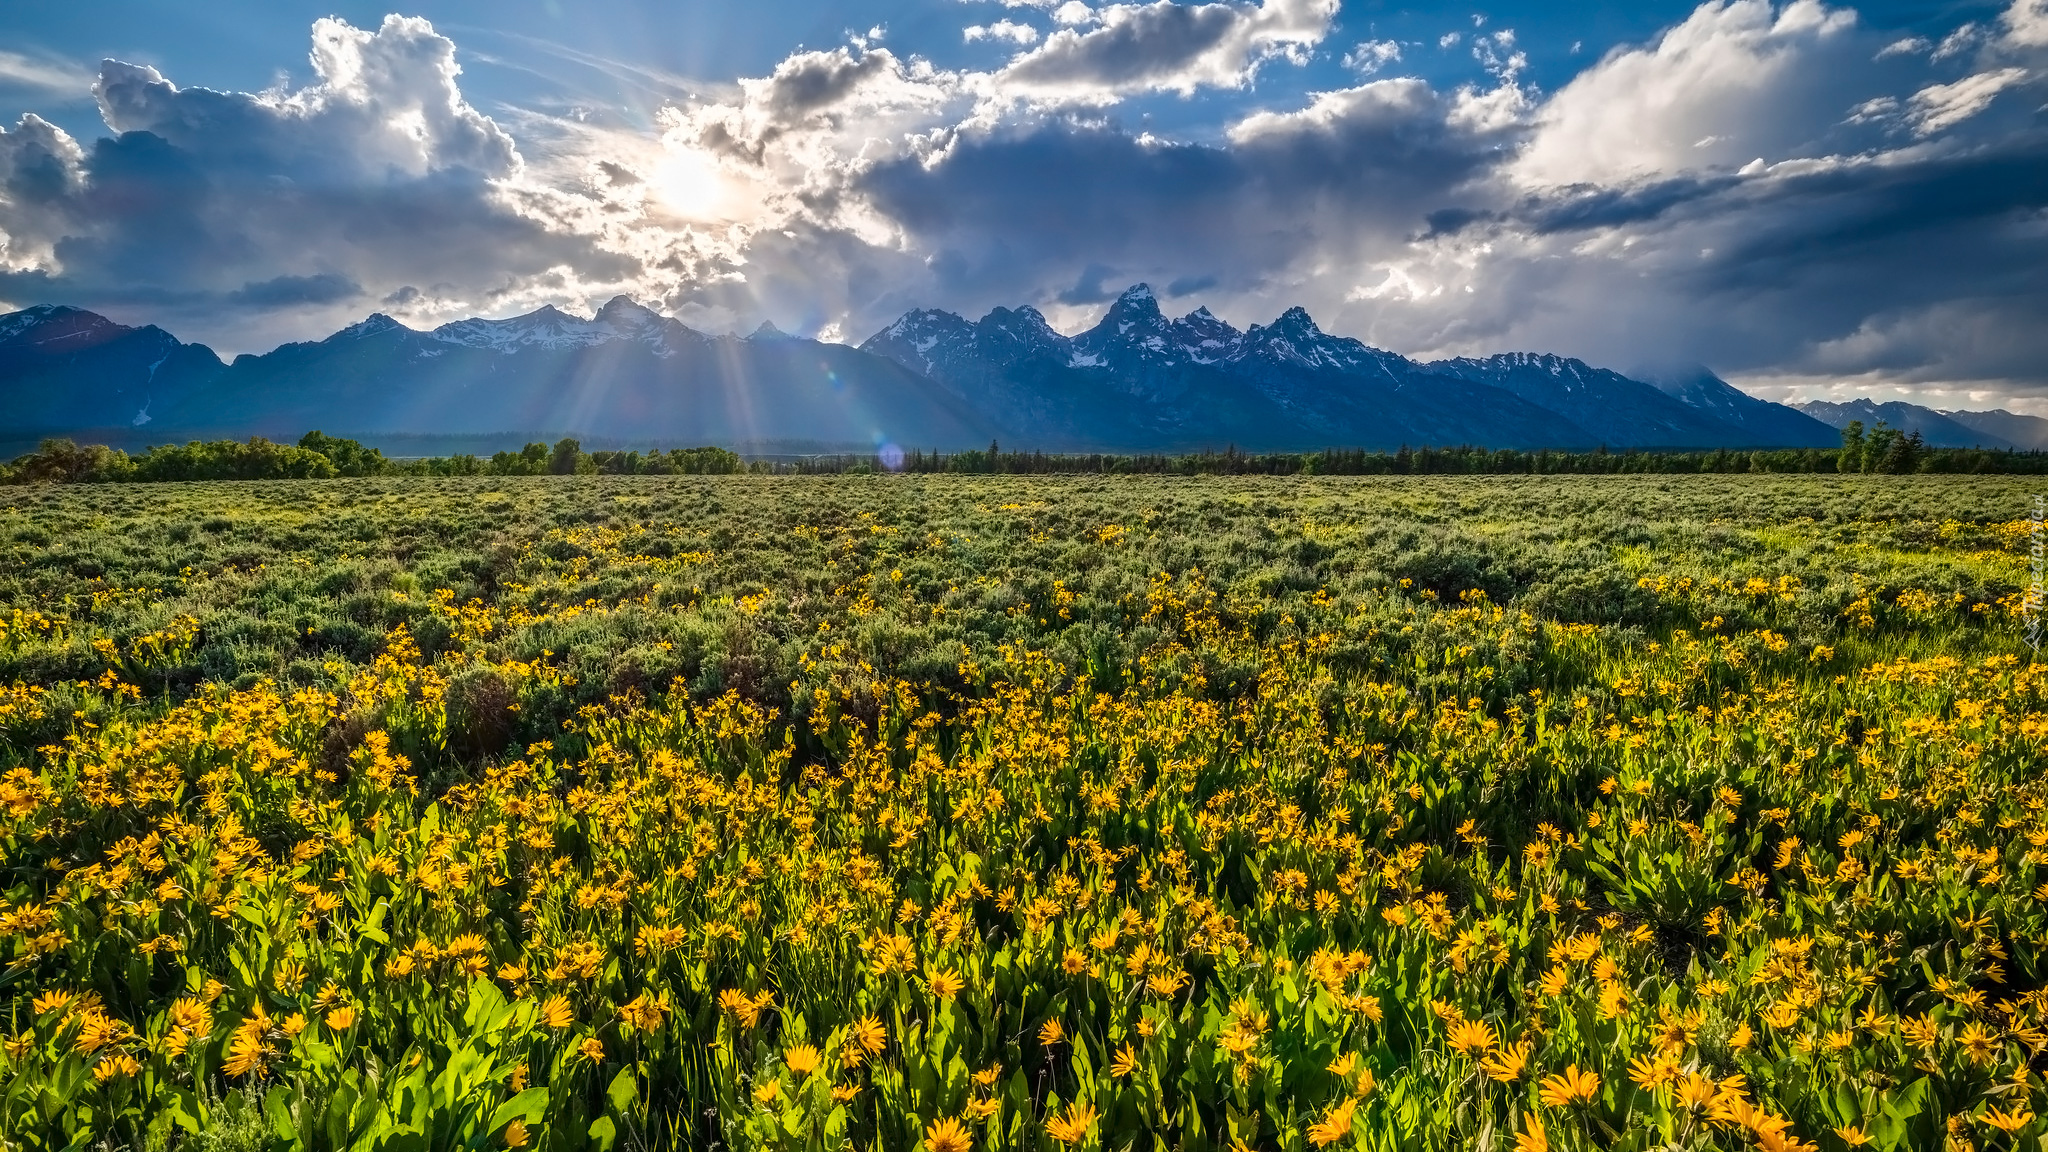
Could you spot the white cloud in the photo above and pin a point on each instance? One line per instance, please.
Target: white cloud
(45, 74)
(1747, 189)
(239, 217)
(2026, 23)
(41, 182)
(1373, 55)
(1164, 46)
(1009, 30)
(1743, 72)
(1942, 106)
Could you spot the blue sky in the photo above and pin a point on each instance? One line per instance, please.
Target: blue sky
(1813, 199)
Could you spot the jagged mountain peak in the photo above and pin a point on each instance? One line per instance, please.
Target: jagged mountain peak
(1296, 320)
(625, 308)
(1136, 307)
(919, 320)
(376, 323)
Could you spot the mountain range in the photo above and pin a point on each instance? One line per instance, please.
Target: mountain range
(1136, 381)
(1940, 429)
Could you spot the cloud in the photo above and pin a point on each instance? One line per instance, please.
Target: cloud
(56, 77)
(1757, 80)
(1372, 55)
(1166, 46)
(1940, 106)
(1775, 190)
(1002, 30)
(2026, 24)
(290, 291)
(219, 210)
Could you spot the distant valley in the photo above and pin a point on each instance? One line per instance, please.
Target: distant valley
(1138, 381)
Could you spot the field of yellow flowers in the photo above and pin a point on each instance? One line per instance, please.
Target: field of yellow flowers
(966, 814)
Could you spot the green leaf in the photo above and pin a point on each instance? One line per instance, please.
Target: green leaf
(278, 1111)
(624, 1093)
(603, 1133)
(528, 1107)
(371, 927)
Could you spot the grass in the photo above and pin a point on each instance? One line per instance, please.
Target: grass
(992, 812)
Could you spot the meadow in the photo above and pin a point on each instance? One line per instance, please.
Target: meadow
(965, 813)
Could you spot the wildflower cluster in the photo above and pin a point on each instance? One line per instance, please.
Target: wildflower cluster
(1331, 870)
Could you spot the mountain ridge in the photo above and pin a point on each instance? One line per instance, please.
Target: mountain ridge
(1136, 380)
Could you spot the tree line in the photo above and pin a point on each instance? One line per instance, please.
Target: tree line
(1879, 450)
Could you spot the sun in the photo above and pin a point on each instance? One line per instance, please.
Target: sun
(693, 185)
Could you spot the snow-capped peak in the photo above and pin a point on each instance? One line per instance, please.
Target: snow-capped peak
(371, 325)
(15, 323)
(544, 327)
(1297, 321)
(625, 314)
(1137, 305)
(1024, 325)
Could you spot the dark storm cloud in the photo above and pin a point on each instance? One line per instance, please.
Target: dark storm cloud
(1362, 165)
(290, 291)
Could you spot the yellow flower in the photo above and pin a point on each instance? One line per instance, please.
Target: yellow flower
(1852, 1136)
(1978, 1041)
(116, 1066)
(1335, 1126)
(1471, 1037)
(516, 1135)
(1653, 1072)
(1532, 1138)
(1508, 1063)
(865, 1037)
(802, 1059)
(342, 1018)
(1569, 1087)
(591, 1049)
(556, 1013)
(947, 1135)
(946, 985)
(1697, 1092)
(246, 1053)
(2008, 1122)
(643, 1012)
(767, 1090)
(1075, 1126)
(1125, 1063)
(192, 1017)
(1051, 1033)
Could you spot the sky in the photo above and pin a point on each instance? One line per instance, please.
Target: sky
(1814, 200)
